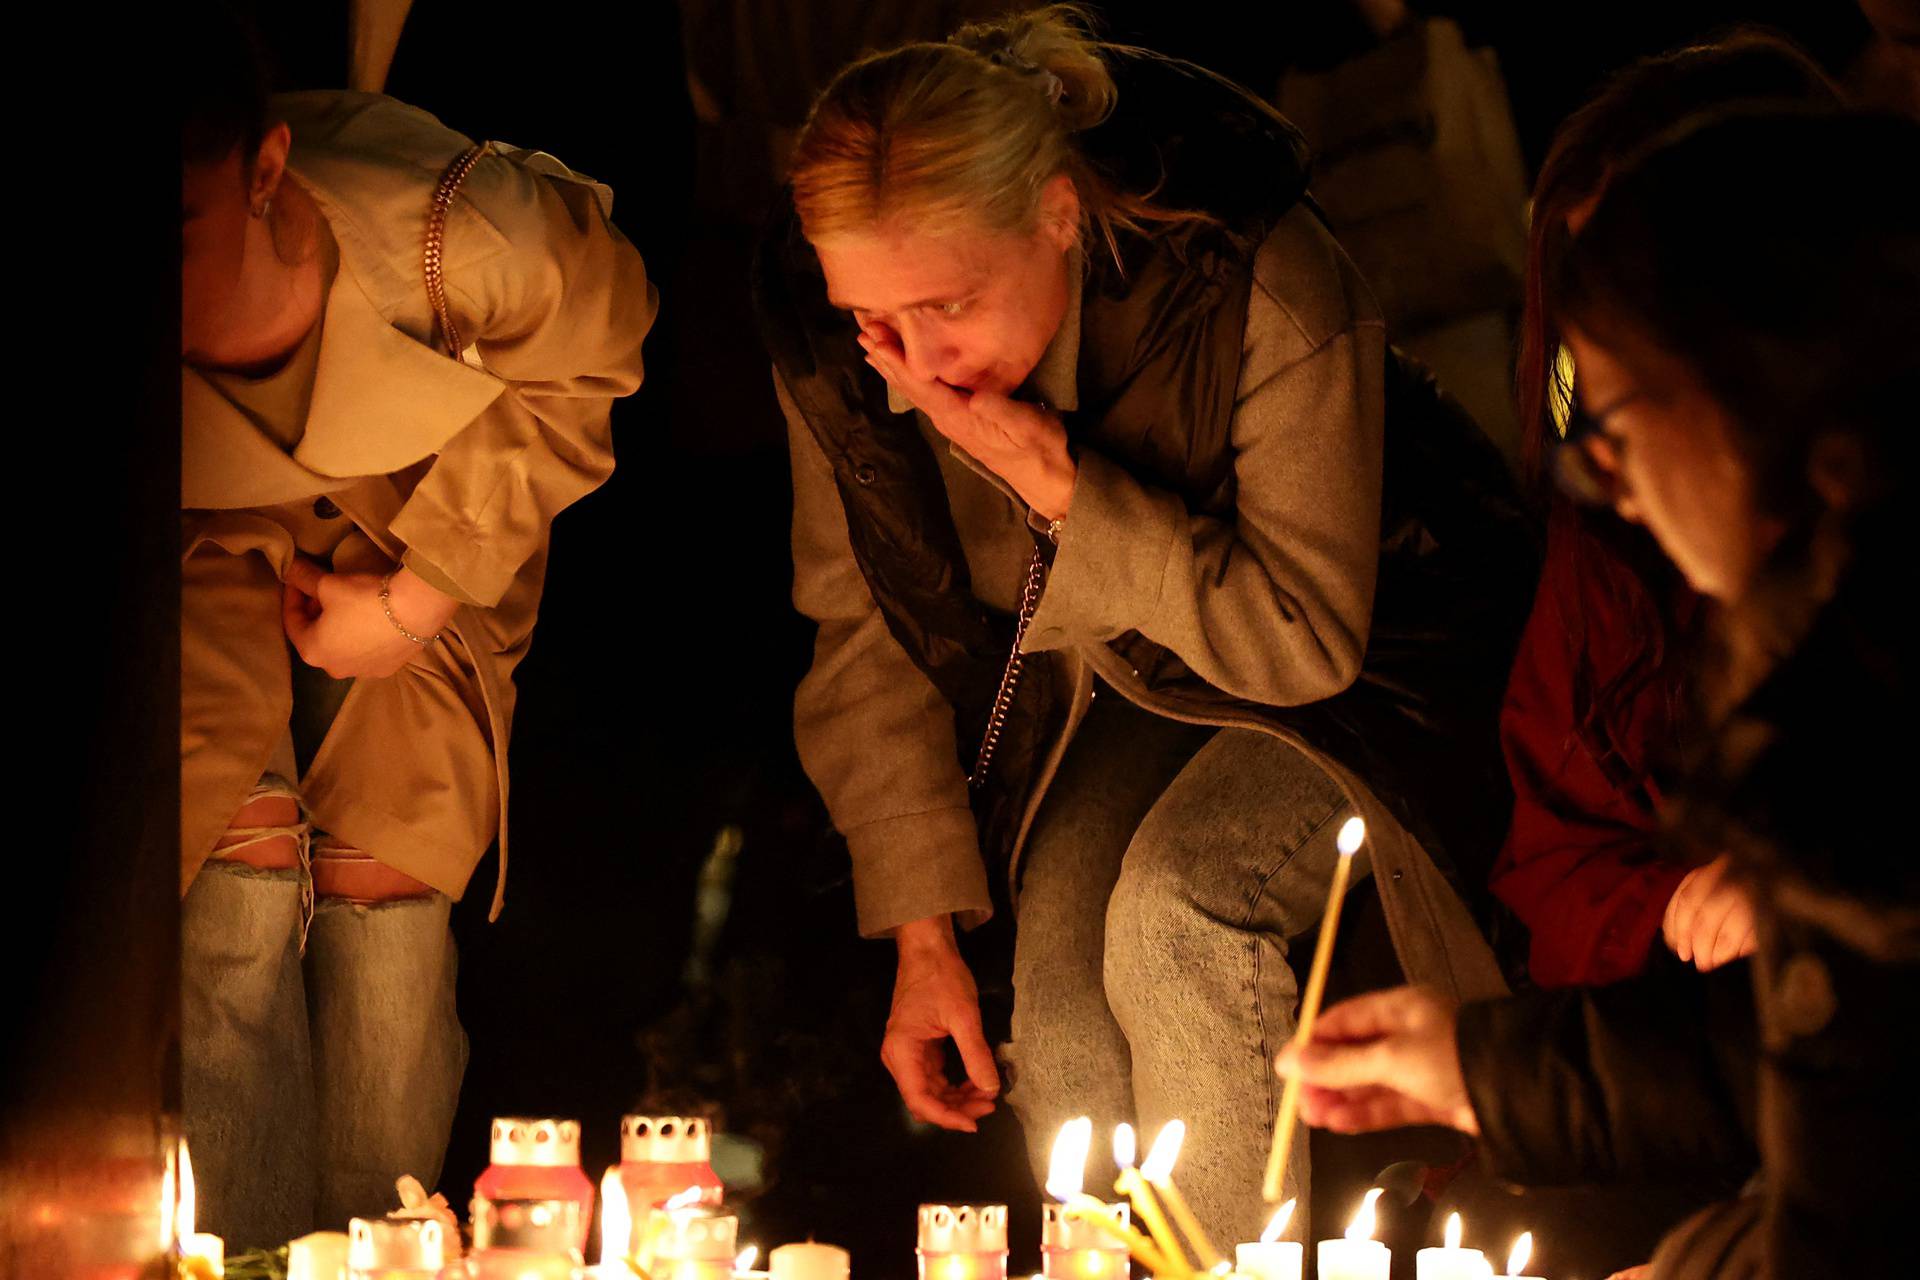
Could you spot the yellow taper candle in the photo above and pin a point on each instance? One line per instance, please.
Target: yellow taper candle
(1352, 834)
(1157, 1169)
(1135, 1188)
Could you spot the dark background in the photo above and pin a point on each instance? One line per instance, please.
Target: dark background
(654, 717)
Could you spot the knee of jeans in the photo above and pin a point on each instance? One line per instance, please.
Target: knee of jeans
(268, 832)
(1156, 927)
(345, 874)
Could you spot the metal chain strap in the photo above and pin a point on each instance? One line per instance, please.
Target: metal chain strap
(435, 253)
(1010, 678)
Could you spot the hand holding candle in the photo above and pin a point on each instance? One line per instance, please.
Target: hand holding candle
(1352, 834)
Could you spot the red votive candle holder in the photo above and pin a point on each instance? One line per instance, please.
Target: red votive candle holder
(538, 1158)
(661, 1156)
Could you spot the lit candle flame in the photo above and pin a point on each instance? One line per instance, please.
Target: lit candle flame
(1522, 1254)
(1166, 1149)
(684, 1200)
(1277, 1225)
(168, 1193)
(1453, 1231)
(1067, 1171)
(1124, 1146)
(1353, 833)
(748, 1256)
(1361, 1228)
(616, 1221)
(183, 1213)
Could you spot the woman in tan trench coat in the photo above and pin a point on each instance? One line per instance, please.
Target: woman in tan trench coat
(367, 486)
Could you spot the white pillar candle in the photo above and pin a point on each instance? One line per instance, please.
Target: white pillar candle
(319, 1255)
(809, 1261)
(1272, 1258)
(206, 1250)
(1358, 1256)
(1520, 1255)
(1451, 1262)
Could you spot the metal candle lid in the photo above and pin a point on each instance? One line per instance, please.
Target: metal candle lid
(1059, 1231)
(396, 1244)
(542, 1226)
(664, 1140)
(963, 1228)
(534, 1140)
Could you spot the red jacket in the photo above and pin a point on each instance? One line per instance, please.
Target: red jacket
(1579, 866)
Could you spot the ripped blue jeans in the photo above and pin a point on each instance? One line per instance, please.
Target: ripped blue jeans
(321, 1054)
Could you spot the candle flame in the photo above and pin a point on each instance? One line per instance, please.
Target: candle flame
(1277, 1225)
(1522, 1254)
(616, 1220)
(1124, 1146)
(748, 1256)
(684, 1200)
(183, 1213)
(168, 1193)
(1453, 1231)
(1353, 833)
(1361, 1228)
(1067, 1172)
(1166, 1149)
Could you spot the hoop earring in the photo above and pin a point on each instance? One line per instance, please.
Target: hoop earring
(262, 209)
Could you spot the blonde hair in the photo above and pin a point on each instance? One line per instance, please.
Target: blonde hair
(967, 133)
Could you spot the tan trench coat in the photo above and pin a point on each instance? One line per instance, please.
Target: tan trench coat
(1273, 606)
(454, 467)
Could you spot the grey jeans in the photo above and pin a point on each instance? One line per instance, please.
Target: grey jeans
(1164, 877)
(310, 1083)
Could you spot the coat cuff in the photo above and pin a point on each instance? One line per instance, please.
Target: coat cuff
(1114, 549)
(425, 570)
(915, 866)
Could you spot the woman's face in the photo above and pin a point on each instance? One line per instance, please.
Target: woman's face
(1670, 448)
(972, 308)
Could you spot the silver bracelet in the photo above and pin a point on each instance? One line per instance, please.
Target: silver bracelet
(386, 605)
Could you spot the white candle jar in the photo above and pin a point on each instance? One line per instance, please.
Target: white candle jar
(691, 1244)
(524, 1239)
(1072, 1247)
(963, 1242)
(1271, 1260)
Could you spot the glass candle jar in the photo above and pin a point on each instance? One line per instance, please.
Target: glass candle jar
(963, 1242)
(538, 1158)
(661, 1156)
(395, 1248)
(1072, 1248)
(528, 1239)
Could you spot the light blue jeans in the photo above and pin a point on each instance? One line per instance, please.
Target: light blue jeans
(311, 1082)
(1165, 876)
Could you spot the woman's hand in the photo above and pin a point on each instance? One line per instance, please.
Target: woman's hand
(1021, 443)
(337, 624)
(1382, 1061)
(934, 999)
(1709, 920)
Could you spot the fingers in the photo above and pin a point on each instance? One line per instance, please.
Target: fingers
(936, 399)
(1729, 935)
(296, 618)
(305, 576)
(1679, 925)
(915, 1067)
(974, 1053)
(1360, 1110)
(1377, 1013)
(1351, 1066)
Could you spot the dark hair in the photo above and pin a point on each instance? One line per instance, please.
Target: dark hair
(1776, 253)
(1621, 562)
(223, 80)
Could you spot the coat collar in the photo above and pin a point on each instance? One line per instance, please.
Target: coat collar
(381, 400)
